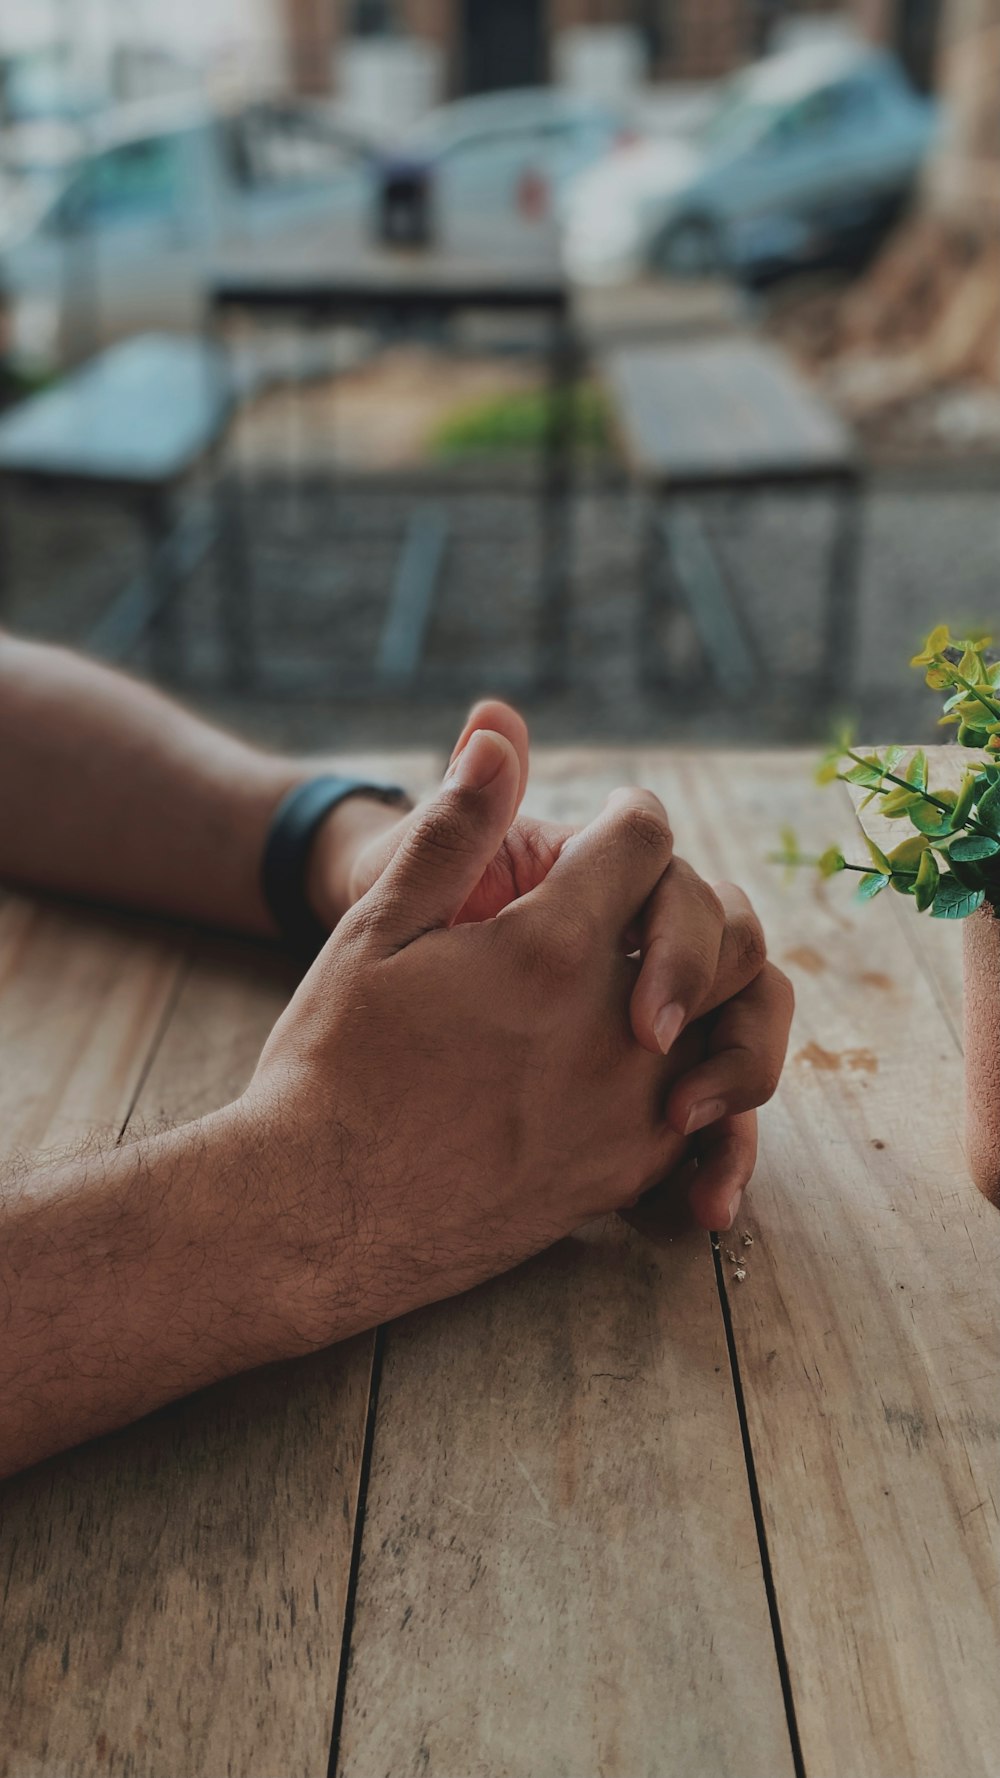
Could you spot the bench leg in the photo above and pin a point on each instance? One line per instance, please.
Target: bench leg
(161, 572)
(5, 569)
(838, 668)
(651, 668)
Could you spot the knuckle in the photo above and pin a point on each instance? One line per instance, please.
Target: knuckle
(783, 989)
(554, 950)
(770, 1078)
(706, 901)
(357, 928)
(751, 945)
(646, 829)
(443, 828)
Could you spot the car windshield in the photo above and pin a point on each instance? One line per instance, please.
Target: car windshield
(740, 119)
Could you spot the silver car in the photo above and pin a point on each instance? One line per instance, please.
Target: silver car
(801, 147)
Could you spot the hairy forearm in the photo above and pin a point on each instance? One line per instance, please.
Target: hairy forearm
(112, 792)
(131, 1277)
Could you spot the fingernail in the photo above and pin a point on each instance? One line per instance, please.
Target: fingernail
(667, 1024)
(479, 762)
(707, 1111)
(734, 1209)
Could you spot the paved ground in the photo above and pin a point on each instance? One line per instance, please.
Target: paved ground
(322, 571)
(323, 558)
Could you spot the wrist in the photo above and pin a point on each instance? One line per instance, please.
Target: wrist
(243, 1221)
(132, 1277)
(332, 883)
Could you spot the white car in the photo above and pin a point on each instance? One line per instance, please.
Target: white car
(117, 236)
(480, 164)
(803, 147)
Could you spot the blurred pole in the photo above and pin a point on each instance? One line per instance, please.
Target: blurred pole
(80, 294)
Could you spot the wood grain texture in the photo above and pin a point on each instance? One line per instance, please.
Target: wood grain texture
(560, 1572)
(174, 1595)
(867, 1328)
(83, 996)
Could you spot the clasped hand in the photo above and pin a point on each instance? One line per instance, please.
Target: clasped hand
(514, 1028)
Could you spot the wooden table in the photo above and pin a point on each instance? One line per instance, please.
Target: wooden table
(132, 427)
(615, 1513)
(394, 290)
(733, 417)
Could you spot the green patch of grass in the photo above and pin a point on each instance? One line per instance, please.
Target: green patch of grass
(518, 422)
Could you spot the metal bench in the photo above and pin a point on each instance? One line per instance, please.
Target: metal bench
(729, 416)
(132, 426)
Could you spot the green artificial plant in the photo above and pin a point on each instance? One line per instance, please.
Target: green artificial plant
(949, 861)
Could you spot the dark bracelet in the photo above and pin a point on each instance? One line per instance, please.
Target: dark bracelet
(286, 853)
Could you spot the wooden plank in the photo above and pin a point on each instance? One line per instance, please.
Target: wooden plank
(174, 1595)
(866, 1331)
(82, 998)
(560, 1573)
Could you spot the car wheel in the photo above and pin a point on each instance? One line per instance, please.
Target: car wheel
(689, 248)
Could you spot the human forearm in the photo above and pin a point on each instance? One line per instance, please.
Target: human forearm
(113, 792)
(133, 1276)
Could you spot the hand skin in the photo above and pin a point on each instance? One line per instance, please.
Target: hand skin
(365, 1171)
(700, 947)
(130, 1279)
(121, 796)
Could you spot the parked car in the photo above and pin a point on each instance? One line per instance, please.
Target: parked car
(803, 150)
(117, 236)
(491, 158)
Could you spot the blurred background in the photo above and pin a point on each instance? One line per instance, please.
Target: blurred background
(639, 359)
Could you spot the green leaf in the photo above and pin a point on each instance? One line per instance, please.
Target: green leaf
(908, 855)
(973, 846)
(867, 772)
(971, 665)
(966, 797)
(988, 810)
(916, 769)
(831, 862)
(878, 857)
(926, 885)
(938, 640)
(871, 885)
(899, 802)
(954, 901)
(928, 819)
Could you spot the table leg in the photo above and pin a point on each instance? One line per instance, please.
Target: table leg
(5, 573)
(557, 488)
(838, 668)
(157, 519)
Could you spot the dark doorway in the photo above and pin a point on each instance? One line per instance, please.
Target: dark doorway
(916, 40)
(503, 44)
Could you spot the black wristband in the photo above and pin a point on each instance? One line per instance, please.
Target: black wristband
(286, 852)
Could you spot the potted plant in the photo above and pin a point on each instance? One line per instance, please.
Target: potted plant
(948, 861)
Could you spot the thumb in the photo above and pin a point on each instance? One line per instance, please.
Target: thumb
(451, 843)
